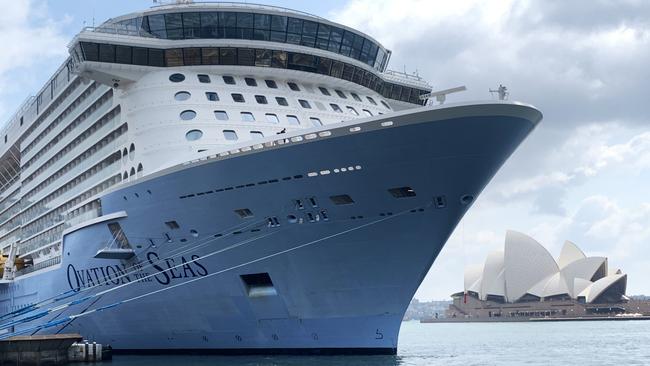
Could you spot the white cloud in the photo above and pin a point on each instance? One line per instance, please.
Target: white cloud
(584, 64)
(30, 38)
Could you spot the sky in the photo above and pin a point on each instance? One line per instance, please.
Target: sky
(583, 175)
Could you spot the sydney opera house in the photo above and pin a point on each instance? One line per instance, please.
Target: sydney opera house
(524, 279)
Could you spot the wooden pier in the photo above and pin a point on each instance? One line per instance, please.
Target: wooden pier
(37, 350)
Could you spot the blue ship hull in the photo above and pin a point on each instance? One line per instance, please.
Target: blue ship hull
(342, 274)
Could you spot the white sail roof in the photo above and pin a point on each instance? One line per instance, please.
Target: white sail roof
(570, 253)
(597, 288)
(527, 263)
(493, 282)
(526, 267)
(473, 275)
(584, 268)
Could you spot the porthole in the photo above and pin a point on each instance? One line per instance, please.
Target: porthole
(176, 78)
(182, 95)
(193, 135)
(194, 233)
(188, 115)
(466, 199)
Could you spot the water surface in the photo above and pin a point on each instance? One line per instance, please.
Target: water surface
(562, 343)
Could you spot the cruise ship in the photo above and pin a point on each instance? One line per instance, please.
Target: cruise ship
(235, 178)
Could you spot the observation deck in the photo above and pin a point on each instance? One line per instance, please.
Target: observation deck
(244, 35)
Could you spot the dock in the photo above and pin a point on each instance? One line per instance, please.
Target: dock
(37, 350)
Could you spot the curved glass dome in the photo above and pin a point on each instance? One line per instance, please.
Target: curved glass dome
(223, 24)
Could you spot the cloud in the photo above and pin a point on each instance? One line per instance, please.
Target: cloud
(30, 40)
(583, 63)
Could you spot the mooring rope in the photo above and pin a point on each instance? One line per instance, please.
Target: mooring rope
(70, 318)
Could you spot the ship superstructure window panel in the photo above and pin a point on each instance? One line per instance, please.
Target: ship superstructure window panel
(272, 118)
(212, 96)
(250, 81)
(239, 98)
(230, 135)
(262, 27)
(353, 111)
(247, 117)
(293, 120)
(316, 122)
(257, 134)
(282, 101)
(324, 91)
(341, 94)
(402, 192)
(203, 78)
(260, 99)
(355, 97)
(221, 115)
(336, 108)
(371, 100)
(229, 80)
(271, 84)
(305, 104)
(293, 86)
(278, 59)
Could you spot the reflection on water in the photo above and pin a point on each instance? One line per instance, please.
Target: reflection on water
(466, 344)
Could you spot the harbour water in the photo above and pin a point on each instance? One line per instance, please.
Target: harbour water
(551, 343)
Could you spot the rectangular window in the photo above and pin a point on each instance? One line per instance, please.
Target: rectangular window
(324, 91)
(173, 225)
(90, 51)
(305, 104)
(238, 98)
(221, 115)
(174, 57)
(258, 285)
(123, 55)
(106, 53)
(279, 59)
(355, 97)
(371, 100)
(229, 80)
(272, 118)
(336, 108)
(203, 78)
(209, 24)
(228, 56)
(230, 135)
(342, 199)
(293, 120)
(210, 56)
(191, 25)
(351, 110)
(316, 122)
(271, 84)
(282, 101)
(261, 99)
(246, 57)
(250, 81)
(293, 86)
(247, 117)
(402, 192)
(341, 94)
(263, 58)
(192, 56)
(140, 56)
(367, 112)
(212, 96)
(257, 135)
(156, 58)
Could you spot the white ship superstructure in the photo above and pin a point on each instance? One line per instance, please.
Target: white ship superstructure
(269, 148)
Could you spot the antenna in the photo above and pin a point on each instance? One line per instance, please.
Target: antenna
(502, 92)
